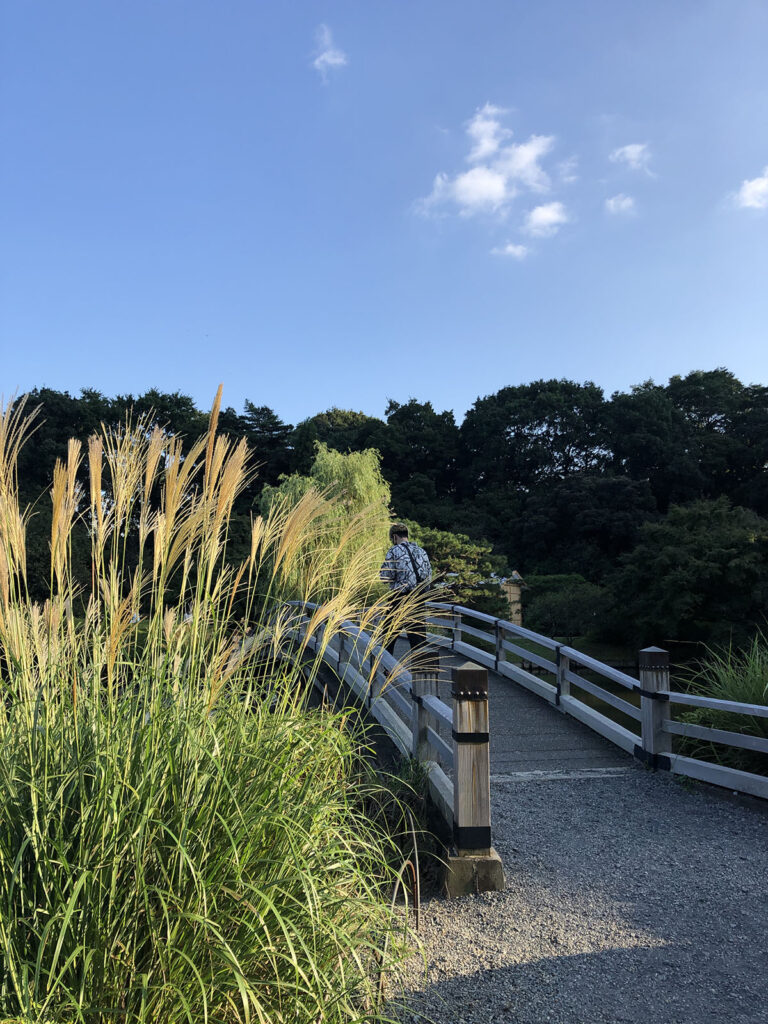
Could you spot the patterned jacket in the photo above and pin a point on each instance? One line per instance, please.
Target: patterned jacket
(397, 569)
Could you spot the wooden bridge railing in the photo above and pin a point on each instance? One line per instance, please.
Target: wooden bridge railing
(651, 739)
(452, 741)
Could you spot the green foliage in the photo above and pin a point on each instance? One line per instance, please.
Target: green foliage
(557, 478)
(180, 839)
(700, 574)
(562, 605)
(525, 435)
(356, 490)
(583, 524)
(466, 567)
(737, 676)
(344, 429)
(353, 481)
(187, 867)
(268, 438)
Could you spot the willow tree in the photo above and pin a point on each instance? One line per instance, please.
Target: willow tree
(359, 504)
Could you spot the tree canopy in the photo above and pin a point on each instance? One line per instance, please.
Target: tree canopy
(550, 477)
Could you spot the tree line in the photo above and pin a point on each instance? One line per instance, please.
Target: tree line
(639, 516)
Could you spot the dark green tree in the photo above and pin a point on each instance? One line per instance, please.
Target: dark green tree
(420, 441)
(701, 574)
(269, 440)
(534, 433)
(649, 439)
(583, 524)
(346, 430)
(562, 605)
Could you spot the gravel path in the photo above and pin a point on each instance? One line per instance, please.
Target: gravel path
(629, 900)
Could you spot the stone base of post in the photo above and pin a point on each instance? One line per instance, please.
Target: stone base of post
(468, 873)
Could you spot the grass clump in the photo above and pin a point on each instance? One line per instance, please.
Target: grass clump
(735, 676)
(181, 839)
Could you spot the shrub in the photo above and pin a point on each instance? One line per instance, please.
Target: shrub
(737, 676)
(181, 839)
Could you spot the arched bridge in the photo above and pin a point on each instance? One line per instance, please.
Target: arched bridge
(629, 898)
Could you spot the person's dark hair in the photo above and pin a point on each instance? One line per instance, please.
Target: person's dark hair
(397, 530)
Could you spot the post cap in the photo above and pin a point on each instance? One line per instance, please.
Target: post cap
(653, 657)
(470, 682)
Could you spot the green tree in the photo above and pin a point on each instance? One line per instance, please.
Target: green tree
(649, 439)
(467, 568)
(355, 485)
(700, 574)
(269, 439)
(346, 430)
(583, 524)
(526, 435)
(562, 604)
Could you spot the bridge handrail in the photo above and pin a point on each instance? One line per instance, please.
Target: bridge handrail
(650, 740)
(652, 743)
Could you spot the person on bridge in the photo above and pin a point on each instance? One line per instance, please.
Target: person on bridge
(406, 568)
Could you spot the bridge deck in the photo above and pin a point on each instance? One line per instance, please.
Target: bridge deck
(527, 734)
(630, 899)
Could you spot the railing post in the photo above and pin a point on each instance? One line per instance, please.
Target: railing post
(471, 760)
(654, 707)
(456, 637)
(563, 682)
(339, 672)
(476, 867)
(499, 649)
(422, 684)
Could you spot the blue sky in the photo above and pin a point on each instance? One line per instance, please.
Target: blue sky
(338, 203)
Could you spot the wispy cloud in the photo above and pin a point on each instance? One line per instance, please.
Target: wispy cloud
(567, 170)
(753, 194)
(511, 250)
(329, 56)
(501, 169)
(637, 156)
(620, 204)
(546, 220)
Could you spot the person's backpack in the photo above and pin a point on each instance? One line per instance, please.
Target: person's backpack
(421, 577)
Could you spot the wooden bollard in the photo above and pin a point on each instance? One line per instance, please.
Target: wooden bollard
(654, 707)
(471, 761)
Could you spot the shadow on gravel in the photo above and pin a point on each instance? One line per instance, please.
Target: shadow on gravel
(624, 986)
(628, 901)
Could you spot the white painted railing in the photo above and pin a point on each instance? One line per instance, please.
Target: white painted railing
(451, 740)
(651, 740)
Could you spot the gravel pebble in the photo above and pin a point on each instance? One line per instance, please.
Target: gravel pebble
(629, 900)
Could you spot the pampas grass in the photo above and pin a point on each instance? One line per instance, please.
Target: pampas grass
(181, 839)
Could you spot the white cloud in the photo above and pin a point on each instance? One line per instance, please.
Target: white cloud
(502, 168)
(486, 130)
(637, 156)
(543, 221)
(328, 55)
(480, 188)
(521, 163)
(753, 194)
(620, 204)
(515, 252)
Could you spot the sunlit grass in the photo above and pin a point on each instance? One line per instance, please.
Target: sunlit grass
(180, 838)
